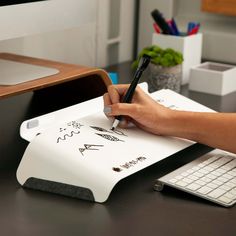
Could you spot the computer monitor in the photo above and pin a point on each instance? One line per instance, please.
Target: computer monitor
(15, 2)
(23, 18)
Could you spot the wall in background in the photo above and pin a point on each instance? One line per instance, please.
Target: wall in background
(105, 40)
(115, 31)
(145, 20)
(76, 46)
(219, 31)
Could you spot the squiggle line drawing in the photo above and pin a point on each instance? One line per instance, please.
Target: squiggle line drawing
(89, 147)
(67, 135)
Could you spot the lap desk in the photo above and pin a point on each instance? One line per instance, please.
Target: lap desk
(73, 151)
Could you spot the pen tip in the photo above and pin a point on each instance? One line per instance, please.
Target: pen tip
(116, 122)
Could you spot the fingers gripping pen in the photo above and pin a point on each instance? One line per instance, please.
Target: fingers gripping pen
(143, 64)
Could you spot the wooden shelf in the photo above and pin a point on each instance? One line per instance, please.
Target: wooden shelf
(226, 7)
(67, 73)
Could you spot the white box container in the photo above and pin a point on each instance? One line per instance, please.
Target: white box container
(189, 46)
(213, 78)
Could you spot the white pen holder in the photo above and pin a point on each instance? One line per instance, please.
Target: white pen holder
(189, 46)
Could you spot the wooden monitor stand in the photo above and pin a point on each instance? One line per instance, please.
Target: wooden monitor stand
(72, 85)
(84, 82)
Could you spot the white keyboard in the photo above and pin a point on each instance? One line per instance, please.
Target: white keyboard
(212, 176)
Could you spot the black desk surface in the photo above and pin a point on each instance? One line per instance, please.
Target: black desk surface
(133, 208)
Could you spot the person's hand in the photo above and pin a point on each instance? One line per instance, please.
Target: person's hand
(209, 128)
(143, 111)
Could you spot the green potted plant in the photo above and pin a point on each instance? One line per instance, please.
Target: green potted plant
(165, 68)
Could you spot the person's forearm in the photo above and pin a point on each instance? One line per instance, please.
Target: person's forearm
(213, 129)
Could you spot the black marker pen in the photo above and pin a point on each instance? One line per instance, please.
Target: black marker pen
(161, 22)
(143, 64)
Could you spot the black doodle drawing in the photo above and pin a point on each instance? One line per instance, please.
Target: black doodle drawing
(110, 137)
(65, 136)
(62, 129)
(75, 124)
(116, 169)
(89, 147)
(132, 163)
(129, 164)
(100, 129)
(116, 131)
(119, 132)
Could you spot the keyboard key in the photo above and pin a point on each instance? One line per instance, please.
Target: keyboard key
(205, 179)
(207, 162)
(217, 182)
(230, 157)
(233, 191)
(216, 193)
(203, 171)
(226, 167)
(225, 187)
(208, 168)
(204, 190)
(173, 181)
(232, 164)
(225, 199)
(179, 177)
(231, 185)
(196, 168)
(181, 183)
(184, 174)
(198, 174)
(210, 176)
(227, 176)
(193, 186)
(223, 160)
(233, 173)
(233, 180)
(200, 182)
(190, 171)
(213, 158)
(212, 185)
(230, 196)
(193, 177)
(222, 179)
(214, 166)
(222, 171)
(201, 165)
(234, 170)
(216, 173)
(187, 180)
